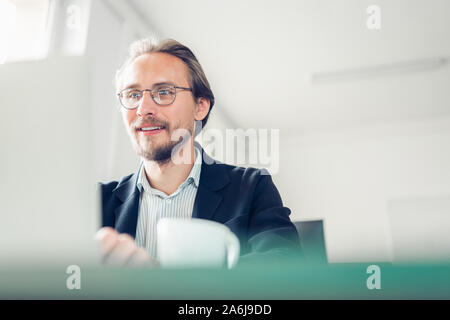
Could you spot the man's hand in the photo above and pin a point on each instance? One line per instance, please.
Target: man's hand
(121, 250)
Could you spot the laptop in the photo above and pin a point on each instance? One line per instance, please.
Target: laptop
(49, 209)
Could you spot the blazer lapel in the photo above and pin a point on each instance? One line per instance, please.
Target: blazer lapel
(213, 177)
(127, 213)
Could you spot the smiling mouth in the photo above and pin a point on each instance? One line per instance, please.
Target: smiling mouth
(147, 129)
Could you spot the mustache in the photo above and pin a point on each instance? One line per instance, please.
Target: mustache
(150, 121)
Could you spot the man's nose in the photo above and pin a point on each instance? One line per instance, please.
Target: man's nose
(146, 105)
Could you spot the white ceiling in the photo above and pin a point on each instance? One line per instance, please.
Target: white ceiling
(260, 57)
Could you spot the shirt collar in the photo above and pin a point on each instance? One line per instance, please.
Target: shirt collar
(194, 175)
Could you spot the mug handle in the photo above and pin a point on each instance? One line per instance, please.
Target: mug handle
(233, 250)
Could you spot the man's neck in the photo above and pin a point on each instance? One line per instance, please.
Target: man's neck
(167, 177)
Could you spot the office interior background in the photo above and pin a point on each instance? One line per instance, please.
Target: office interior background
(363, 113)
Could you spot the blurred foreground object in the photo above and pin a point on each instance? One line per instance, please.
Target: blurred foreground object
(48, 209)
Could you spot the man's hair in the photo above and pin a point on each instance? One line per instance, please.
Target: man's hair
(197, 78)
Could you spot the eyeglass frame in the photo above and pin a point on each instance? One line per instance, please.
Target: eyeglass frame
(119, 95)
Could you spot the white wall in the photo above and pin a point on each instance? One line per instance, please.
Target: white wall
(347, 176)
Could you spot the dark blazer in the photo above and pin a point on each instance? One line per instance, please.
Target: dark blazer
(244, 199)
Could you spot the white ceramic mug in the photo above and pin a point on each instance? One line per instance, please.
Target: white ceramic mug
(196, 243)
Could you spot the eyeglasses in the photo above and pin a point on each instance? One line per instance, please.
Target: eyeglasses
(163, 95)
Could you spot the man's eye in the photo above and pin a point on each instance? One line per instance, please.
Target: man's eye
(134, 95)
(164, 92)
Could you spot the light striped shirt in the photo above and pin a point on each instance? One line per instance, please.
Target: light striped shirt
(155, 204)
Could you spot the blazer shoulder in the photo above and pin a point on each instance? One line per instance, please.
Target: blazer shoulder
(245, 173)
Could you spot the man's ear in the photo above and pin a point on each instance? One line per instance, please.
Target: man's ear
(202, 108)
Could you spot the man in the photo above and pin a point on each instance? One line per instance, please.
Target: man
(166, 100)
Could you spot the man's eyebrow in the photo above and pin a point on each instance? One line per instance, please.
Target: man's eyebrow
(138, 86)
(165, 82)
(134, 86)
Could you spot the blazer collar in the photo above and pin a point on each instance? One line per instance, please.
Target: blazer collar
(213, 177)
(213, 174)
(127, 186)
(126, 214)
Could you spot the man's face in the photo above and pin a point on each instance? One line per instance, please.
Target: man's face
(144, 73)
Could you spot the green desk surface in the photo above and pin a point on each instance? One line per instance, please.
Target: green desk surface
(288, 280)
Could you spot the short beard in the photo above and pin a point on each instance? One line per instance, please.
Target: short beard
(161, 154)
